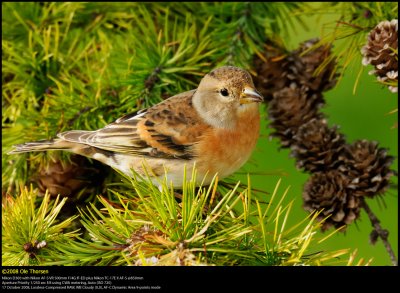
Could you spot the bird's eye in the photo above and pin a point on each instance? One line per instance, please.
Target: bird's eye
(224, 92)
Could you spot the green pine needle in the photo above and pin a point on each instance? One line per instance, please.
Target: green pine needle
(31, 234)
(165, 226)
(348, 33)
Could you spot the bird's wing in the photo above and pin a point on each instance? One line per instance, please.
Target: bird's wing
(168, 129)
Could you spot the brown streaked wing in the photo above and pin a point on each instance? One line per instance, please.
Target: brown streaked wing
(168, 129)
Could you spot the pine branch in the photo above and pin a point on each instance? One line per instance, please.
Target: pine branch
(238, 30)
(382, 233)
(349, 31)
(149, 226)
(30, 232)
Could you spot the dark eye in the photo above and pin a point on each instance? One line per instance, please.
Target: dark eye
(224, 92)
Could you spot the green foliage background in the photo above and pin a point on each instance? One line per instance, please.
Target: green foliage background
(87, 67)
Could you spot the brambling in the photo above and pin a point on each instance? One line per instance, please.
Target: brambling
(214, 127)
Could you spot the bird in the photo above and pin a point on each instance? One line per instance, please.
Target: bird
(212, 129)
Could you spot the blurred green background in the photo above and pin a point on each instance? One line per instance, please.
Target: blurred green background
(360, 115)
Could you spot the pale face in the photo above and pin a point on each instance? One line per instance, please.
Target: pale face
(225, 94)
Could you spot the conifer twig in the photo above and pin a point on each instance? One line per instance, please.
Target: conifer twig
(382, 233)
(152, 79)
(76, 116)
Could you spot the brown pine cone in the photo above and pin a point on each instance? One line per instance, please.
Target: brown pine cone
(316, 147)
(271, 71)
(281, 69)
(327, 192)
(367, 166)
(67, 179)
(381, 52)
(304, 72)
(290, 108)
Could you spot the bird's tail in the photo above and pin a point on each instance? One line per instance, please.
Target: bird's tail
(41, 145)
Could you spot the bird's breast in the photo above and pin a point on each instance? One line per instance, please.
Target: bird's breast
(225, 151)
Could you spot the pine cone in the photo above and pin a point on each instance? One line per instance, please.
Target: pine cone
(290, 108)
(271, 73)
(367, 166)
(327, 191)
(381, 52)
(280, 70)
(304, 72)
(316, 147)
(67, 179)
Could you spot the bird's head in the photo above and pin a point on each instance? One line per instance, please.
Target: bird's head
(224, 94)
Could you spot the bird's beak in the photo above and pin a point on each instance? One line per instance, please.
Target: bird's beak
(250, 95)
